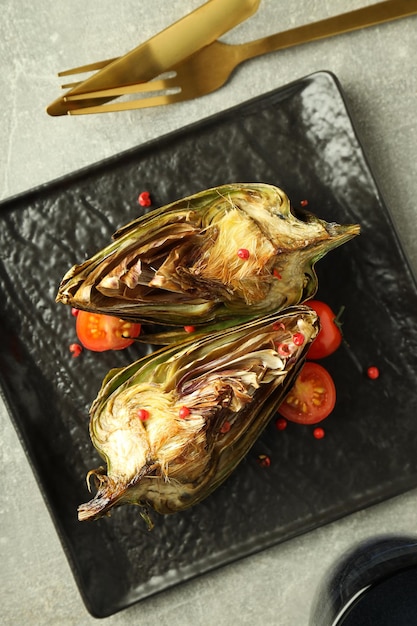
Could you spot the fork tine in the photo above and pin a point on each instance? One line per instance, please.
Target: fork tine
(153, 85)
(90, 67)
(131, 105)
(71, 85)
(81, 69)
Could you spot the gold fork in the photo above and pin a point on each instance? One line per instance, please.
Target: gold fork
(209, 68)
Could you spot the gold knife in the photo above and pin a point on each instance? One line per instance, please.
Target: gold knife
(189, 34)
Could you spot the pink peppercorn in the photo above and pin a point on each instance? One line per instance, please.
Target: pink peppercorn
(372, 372)
(281, 423)
(243, 253)
(143, 415)
(144, 198)
(298, 339)
(75, 350)
(283, 350)
(264, 460)
(319, 433)
(184, 412)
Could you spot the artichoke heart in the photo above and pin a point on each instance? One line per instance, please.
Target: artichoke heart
(172, 426)
(236, 251)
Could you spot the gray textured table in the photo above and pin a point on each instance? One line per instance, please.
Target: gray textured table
(377, 70)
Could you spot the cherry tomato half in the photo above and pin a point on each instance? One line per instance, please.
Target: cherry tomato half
(312, 397)
(100, 332)
(329, 338)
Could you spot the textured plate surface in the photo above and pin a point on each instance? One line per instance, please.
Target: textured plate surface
(300, 138)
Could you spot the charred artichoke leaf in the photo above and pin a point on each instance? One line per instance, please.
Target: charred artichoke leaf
(179, 265)
(205, 403)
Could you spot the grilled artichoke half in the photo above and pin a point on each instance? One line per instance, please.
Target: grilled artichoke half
(227, 253)
(173, 425)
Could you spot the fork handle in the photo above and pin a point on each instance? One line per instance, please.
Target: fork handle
(346, 22)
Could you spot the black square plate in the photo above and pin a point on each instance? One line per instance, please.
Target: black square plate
(300, 138)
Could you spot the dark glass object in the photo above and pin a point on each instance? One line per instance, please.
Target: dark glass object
(374, 585)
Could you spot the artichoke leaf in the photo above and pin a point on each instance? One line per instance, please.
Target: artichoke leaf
(229, 383)
(180, 264)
